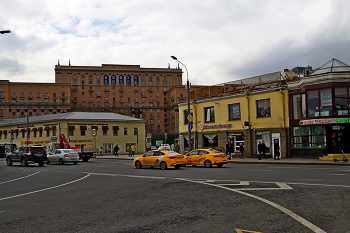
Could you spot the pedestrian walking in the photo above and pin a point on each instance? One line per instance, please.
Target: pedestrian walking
(276, 150)
(128, 148)
(173, 147)
(116, 149)
(264, 149)
(100, 150)
(133, 150)
(231, 150)
(259, 150)
(228, 148)
(241, 149)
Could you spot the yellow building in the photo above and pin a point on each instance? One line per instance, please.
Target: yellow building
(247, 111)
(94, 129)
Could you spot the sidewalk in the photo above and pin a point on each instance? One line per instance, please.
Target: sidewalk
(254, 160)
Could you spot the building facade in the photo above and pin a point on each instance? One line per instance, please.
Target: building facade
(247, 111)
(319, 104)
(110, 129)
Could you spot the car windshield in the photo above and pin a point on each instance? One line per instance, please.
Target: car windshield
(37, 150)
(215, 151)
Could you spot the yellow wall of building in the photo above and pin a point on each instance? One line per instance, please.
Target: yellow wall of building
(76, 138)
(278, 104)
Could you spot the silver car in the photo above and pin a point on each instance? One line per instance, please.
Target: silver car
(63, 156)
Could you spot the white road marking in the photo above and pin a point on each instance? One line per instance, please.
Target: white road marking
(257, 170)
(133, 176)
(3, 211)
(337, 174)
(19, 178)
(283, 209)
(40, 190)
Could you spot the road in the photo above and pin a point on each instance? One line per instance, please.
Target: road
(105, 195)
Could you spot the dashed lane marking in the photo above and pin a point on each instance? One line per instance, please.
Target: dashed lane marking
(20, 178)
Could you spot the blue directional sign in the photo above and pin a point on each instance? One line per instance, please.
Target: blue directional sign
(12, 137)
(190, 126)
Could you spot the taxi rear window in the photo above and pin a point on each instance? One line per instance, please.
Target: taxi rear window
(215, 151)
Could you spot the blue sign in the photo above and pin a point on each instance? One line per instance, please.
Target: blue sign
(53, 138)
(12, 137)
(28, 136)
(190, 126)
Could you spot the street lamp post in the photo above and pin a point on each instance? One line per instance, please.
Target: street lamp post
(188, 104)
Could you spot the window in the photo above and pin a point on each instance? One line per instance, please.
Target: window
(113, 81)
(296, 106)
(313, 104)
(71, 132)
(326, 102)
(104, 132)
(136, 80)
(115, 132)
(121, 80)
(125, 131)
(186, 115)
(234, 111)
(105, 80)
(82, 132)
(128, 80)
(263, 108)
(309, 137)
(136, 131)
(209, 115)
(341, 101)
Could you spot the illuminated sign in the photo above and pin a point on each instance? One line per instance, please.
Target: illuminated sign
(201, 127)
(325, 121)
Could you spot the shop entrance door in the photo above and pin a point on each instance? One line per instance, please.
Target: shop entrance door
(338, 141)
(107, 148)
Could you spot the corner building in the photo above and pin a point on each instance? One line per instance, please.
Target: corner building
(319, 103)
(246, 111)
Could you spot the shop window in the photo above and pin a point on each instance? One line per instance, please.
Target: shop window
(341, 101)
(209, 115)
(326, 102)
(263, 108)
(309, 137)
(313, 104)
(186, 115)
(234, 111)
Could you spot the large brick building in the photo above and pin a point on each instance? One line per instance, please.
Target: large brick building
(152, 94)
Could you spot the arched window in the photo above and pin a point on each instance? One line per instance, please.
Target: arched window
(114, 82)
(128, 80)
(105, 80)
(136, 80)
(121, 80)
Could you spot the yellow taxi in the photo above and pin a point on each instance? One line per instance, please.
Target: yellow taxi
(206, 157)
(160, 158)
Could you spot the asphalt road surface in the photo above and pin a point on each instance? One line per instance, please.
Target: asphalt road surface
(106, 195)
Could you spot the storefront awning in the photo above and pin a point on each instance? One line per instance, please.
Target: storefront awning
(4, 132)
(53, 127)
(94, 127)
(83, 127)
(33, 130)
(116, 127)
(234, 134)
(39, 129)
(105, 127)
(71, 127)
(22, 130)
(47, 128)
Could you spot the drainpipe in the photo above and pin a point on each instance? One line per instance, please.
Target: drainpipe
(280, 89)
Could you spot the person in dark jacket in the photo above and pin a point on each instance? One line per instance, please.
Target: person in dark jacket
(264, 149)
(259, 150)
(241, 149)
(116, 149)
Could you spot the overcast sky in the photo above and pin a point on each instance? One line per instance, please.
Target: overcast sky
(218, 40)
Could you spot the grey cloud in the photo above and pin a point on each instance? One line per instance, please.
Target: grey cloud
(11, 66)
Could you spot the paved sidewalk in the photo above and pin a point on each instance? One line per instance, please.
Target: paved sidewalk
(254, 160)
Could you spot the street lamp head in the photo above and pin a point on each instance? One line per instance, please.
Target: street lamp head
(173, 57)
(6, 31)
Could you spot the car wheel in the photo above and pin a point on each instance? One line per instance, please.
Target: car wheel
(220, 165)
(177, 166)
(138, 164)
(163, 165)
(75, 163)
(61, 162)
(24, 162)
(47, 162)
(8, 162)
(345, 160)
(41, 164)
(207, 163)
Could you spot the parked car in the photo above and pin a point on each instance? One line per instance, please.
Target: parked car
(154, 148)
(63, 156)
(206, 157)
(162, 159)
(27, 154)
